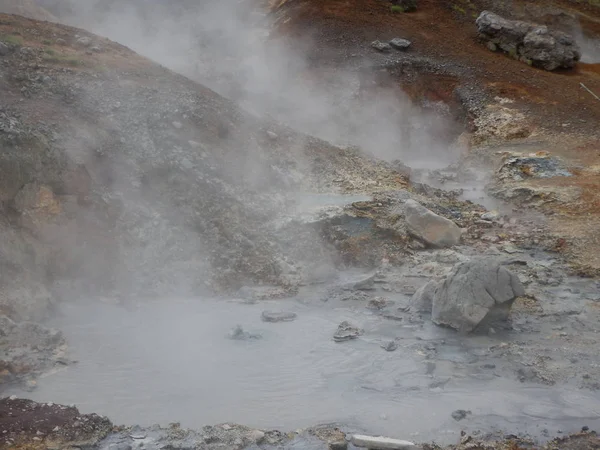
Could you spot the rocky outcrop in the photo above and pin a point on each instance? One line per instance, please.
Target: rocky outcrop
(473, 292)
(434, 230)
(534, 44)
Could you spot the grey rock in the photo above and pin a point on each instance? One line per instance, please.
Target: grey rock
(389, 346)
(473, 292)
(4, 49)
(377, 304)
(460, 414)
(383, 47)
(381, 443)
(346, 332)
(400, 44)
(238, 334)
(427, 226)
(84, 41)
(278, 316)
(531, 43)
(422, 300)
(364, 283)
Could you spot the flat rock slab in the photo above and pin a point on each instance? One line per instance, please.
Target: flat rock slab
(381, 443)
(346, 332)
(278, 316)
(434, 230)
(400, 44)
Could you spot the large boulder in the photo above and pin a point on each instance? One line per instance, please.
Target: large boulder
(473, 292)
(427, 226)
(531, 43)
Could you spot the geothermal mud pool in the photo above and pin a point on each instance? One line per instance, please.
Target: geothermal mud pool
(176, 360)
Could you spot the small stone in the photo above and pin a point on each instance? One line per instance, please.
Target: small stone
(460, 414)
(381, 46)
(346, 332)
(381, 443)
(177, 125)
(400, 44)
(389, 346)
(138, 436)
(12, 397)
(377, 304)
(278, 316)
(272, 136)
(84, 41)
(490, 215)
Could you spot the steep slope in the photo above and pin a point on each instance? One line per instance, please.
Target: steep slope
(118, 174)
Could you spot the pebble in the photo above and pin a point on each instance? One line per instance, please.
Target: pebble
(381, 443)
(389, 346)
(278, 316)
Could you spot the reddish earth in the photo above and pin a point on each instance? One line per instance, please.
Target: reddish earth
(560, 112)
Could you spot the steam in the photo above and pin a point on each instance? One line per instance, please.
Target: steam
(227, 46)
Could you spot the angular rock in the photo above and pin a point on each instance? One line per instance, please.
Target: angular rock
(473, 292)
(381, 443)
(381, 46)
(278, 316)
(400, 44)
(389, 346)
(346, 332)
(531, 43)
(422, 300)
(427, 226)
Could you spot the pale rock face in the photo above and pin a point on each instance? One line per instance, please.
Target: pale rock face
(434, 230)
(474, 291)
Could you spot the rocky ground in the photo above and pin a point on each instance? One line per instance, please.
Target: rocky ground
(175, 189)
(30, 425)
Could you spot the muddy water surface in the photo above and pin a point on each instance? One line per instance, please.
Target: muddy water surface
(174, 361)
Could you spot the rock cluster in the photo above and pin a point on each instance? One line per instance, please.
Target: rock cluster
(534, 44)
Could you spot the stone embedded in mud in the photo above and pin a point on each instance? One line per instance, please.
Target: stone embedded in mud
(383, 47)
(389, 346)
(531, 43)
(278, 316)
(238, 334)
(475, 292)
(422, 300)
(364, 283)
(460, 414)
(346, 332)
(400, 44)
(381, 443)
(427, 226)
